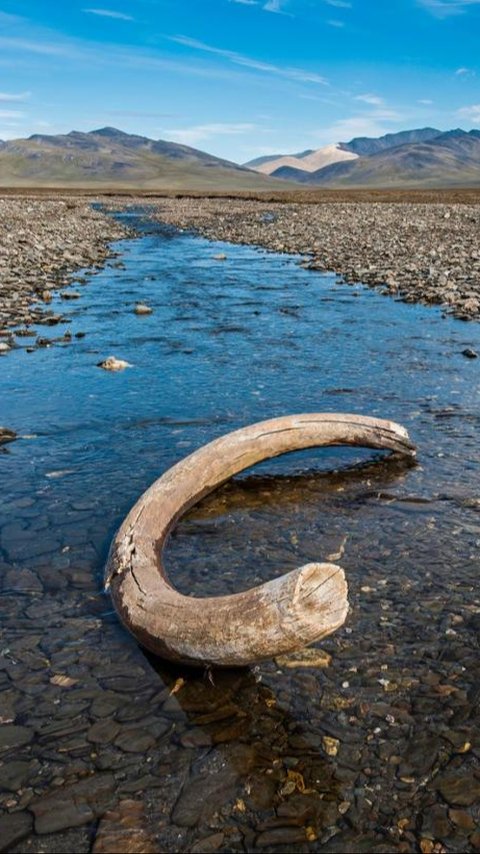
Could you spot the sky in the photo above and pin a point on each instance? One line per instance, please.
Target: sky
(239, 78)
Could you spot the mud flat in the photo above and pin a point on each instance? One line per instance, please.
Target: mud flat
(42, 242)
(427, 253)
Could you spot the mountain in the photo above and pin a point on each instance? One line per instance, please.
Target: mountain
(449, 159)
(364, 145)
(111, 158)
(307, 161)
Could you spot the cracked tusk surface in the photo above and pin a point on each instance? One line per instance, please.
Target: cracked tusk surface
(277, 617)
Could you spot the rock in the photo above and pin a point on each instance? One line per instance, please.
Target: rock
(4, 347)
(13, 775)
(75, 804)
(123, 831)
(70, 295)
(220, 257)
(284, 836)
(12, 736)
(208, 844)
(469, 353)
(141, 308)
(459, 790)
(111, 363)
(309, 657)
(13, 828)
(7, 435)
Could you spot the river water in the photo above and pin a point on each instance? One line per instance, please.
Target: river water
(378, 751)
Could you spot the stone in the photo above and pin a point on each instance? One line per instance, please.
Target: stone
(75, 804)
(123, 831)
(309, 657)
(7, 435)
(141, 308)
(4, 347)
(13, 775)
(70, 295)
(111, 363)
(13, 736)
(459, 790)
(14, 827)
(469, 353)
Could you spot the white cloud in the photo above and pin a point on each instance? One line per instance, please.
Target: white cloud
(445, 8)
(10, 96)
(198, 133)
(425, 101)
(472, 113)
(339, 4)
(346, 129)
(245, 2)
(109, 13)
(275, 6)
(11, 114)
(375, 100)
(335, 23)
(464, 72)
(300, 75)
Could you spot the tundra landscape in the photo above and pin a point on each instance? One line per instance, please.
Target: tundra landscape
(239, 411)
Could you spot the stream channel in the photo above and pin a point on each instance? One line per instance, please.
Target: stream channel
(374, 747)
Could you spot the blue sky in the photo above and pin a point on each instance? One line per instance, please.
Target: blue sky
(239, 78)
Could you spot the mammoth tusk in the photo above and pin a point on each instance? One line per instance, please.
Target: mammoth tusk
(275, 618)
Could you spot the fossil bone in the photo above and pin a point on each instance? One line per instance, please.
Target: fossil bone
(275, 618)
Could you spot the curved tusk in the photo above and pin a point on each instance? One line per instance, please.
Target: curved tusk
(277, 617)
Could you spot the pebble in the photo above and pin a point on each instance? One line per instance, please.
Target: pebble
(141, 308)
(111, 363)
(469, 353)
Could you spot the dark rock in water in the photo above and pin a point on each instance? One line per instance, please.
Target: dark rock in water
(70, 295)
(72, 806)
(123, 829)
(13, 775)
(459, 790)
(7, 435)
(12, 736)
(14, 828)
(469, 353)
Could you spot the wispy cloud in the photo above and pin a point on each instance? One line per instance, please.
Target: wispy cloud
(472, 113)
(11, 114)
(139, 114)
(464, 72)
(43, 48)
(7, 97)
(425, 101)
(375, 100)
(276, 6)
(299, 75)
(199, 133)
(109, 13)
(339, 4)
(446, 8)
(335, 23)
(245, 2)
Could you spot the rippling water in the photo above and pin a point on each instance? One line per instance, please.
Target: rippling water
(367, 754)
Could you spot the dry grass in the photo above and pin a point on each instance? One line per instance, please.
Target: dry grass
(460, 195)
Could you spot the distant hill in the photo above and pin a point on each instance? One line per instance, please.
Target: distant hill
(450, 159)
(307, 161)
(365, 145)
(110, 158)
(424, 157)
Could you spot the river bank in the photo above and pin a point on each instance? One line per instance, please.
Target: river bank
(425, 253)
(42, 243)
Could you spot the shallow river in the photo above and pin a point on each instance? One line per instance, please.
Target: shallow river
(379, 750)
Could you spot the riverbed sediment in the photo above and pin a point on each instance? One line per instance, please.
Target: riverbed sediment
(42, 243)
